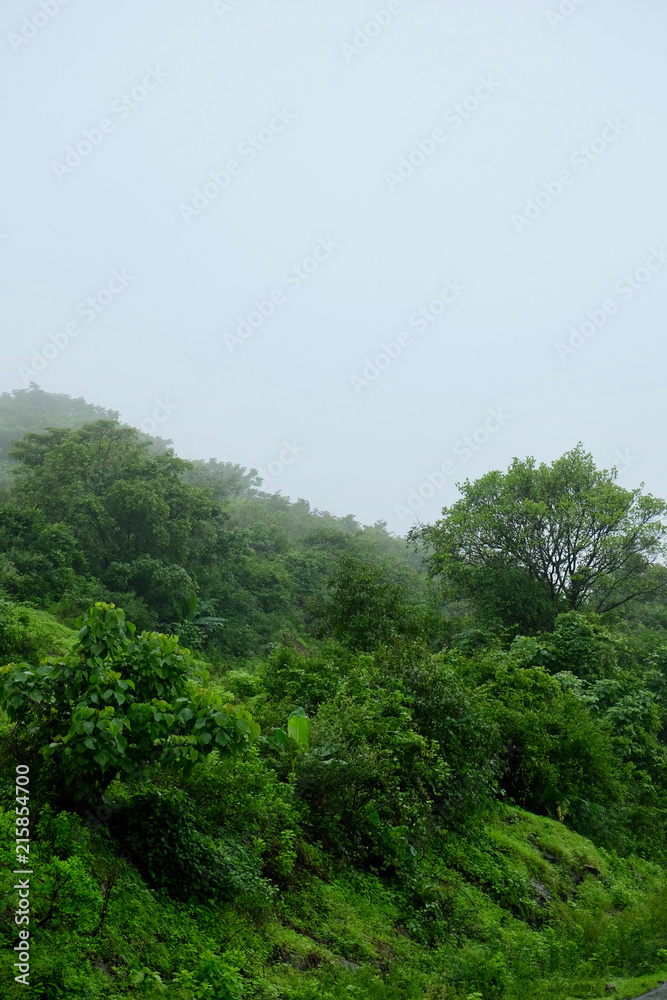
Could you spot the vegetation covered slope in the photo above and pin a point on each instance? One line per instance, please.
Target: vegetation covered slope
(315, 769)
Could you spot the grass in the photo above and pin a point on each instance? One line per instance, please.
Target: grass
(626, 988)
(351, 935)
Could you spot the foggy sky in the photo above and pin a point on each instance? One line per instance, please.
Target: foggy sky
(498, 166)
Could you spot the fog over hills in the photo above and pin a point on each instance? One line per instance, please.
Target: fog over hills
(354, 231)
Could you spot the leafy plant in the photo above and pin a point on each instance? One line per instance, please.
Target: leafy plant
(119, 702)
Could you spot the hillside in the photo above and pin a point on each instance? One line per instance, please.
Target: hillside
(327, 762)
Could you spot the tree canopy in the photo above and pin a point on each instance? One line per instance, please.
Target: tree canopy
(565, 533)
(33, 409)
(311, 770)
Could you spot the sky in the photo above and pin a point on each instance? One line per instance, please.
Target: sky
(370, 249)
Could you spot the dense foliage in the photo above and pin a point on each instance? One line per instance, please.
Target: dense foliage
(271, 755)
(559, 537)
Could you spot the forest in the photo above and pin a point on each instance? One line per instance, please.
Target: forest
(252, 749)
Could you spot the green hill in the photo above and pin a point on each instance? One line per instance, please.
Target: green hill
(327, 762)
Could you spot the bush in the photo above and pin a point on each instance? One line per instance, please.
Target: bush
(29, 634)
(247, 800)
(116, 700)
(553, 749)
(369, 778)
(445, 712)
(292, 677)
(156, 829)
(363, 609)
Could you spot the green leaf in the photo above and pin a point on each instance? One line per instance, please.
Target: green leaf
(277, 739)
(298, 728)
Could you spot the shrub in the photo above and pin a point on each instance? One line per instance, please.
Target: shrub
(116, 700)
(248, 800)
(156, 829)
(292, 677)
(29, 634)
(369, 778)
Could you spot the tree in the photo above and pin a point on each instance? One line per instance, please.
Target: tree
(567, 533)
(117, 703)
(363, 609)
(38, 559)
(370, 779)
(224, 479)
(102, 481)
(137, 523)
(33, 409)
